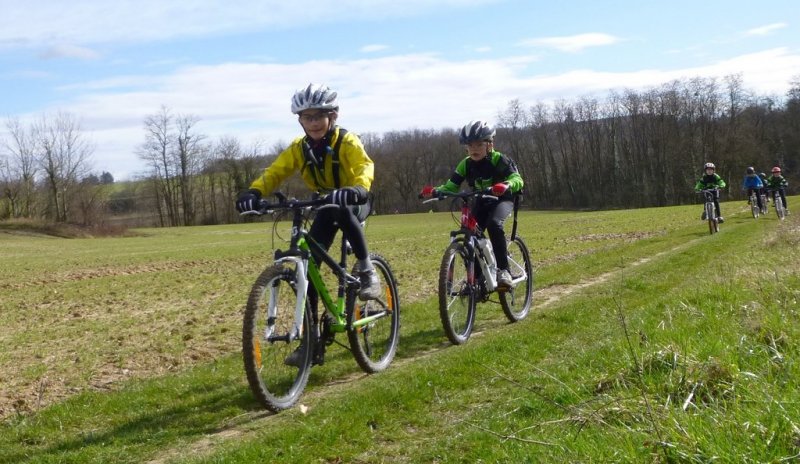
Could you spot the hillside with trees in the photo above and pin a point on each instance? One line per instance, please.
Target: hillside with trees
(633, 148)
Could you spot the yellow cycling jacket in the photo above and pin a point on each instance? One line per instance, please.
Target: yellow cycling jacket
(355, 167)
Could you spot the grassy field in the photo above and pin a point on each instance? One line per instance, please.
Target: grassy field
(650, 341)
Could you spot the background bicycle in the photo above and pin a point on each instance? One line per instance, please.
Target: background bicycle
(282, 335)
(467, 274)
(777, 202)
(753, 201)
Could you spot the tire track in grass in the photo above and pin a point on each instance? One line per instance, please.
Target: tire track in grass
(249, 423)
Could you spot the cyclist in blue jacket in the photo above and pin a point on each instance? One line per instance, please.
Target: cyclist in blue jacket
(752, 183)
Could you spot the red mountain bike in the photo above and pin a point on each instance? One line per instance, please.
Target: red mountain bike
(468, 271)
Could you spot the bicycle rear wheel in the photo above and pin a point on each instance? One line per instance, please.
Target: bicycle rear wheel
(457, 297)
(265, 340)
(374, 344)
(516, 302)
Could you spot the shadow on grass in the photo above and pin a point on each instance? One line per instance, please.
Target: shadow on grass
(148, 416)
(125, 426)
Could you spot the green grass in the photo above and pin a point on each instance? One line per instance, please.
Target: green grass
(658, 343)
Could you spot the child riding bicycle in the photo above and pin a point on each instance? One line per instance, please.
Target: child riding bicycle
(752, 183)
(485, 168)
(331, 161)
(709, 181)
(777, 185)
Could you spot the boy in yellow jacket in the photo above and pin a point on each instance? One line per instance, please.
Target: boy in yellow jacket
(331, 161)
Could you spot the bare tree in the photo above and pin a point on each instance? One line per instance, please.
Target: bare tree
(19, 170)
(188, 155)
(156, 151)
(173, 149)
(63, 153)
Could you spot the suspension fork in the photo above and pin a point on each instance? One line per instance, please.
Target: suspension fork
(301, 291)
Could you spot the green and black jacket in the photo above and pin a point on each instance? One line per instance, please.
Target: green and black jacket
(494, 168)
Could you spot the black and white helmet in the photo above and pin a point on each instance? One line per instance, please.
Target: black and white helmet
(314, 97)
(709, 166)
(474, 131)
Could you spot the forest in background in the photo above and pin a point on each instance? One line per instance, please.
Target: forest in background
(632, 148)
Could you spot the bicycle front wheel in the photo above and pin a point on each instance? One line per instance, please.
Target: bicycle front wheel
(516, 302)
(276, 382)
(712, 219)
(457, 297)
(373, 326)
(779, 209)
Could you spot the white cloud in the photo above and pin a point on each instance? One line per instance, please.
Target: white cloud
(69, 51)
(572, 43)
(251, 101)
(373, 48)
(766, 30)
(92, 22)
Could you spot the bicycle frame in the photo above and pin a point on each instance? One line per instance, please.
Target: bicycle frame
(777, 203)
(754, 204)
(469, 232)
(301, 252)
(711, 212)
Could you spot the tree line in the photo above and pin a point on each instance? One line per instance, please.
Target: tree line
(632, 148)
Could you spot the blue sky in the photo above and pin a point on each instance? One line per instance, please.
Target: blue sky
(396, 64)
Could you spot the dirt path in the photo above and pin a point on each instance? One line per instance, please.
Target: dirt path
(248, 423)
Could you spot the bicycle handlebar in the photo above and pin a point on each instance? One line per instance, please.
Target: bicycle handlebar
(264, 206)
(441, 195)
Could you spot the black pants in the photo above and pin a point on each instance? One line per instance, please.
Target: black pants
(758, 196)
(491, 215)
(329, 220)
(323, 230)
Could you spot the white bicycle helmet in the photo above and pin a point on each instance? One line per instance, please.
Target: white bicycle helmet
(314, 97)
(474, 131)
(710, 166)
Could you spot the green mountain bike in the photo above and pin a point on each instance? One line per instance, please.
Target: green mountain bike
(281, 320)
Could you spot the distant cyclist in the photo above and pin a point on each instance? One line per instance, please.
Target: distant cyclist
(752, 183)
(777, 184)
(484, 168)
(711, 180)
(763, 177)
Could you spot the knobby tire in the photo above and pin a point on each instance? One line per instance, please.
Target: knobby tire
(276, 385)
(516, 302)
(375, 344)
(457, 293)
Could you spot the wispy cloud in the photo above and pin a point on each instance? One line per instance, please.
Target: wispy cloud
(251, 101)
(373, 48)
(572, 43)
(69, 51)
(766, 30)
(134, 21)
